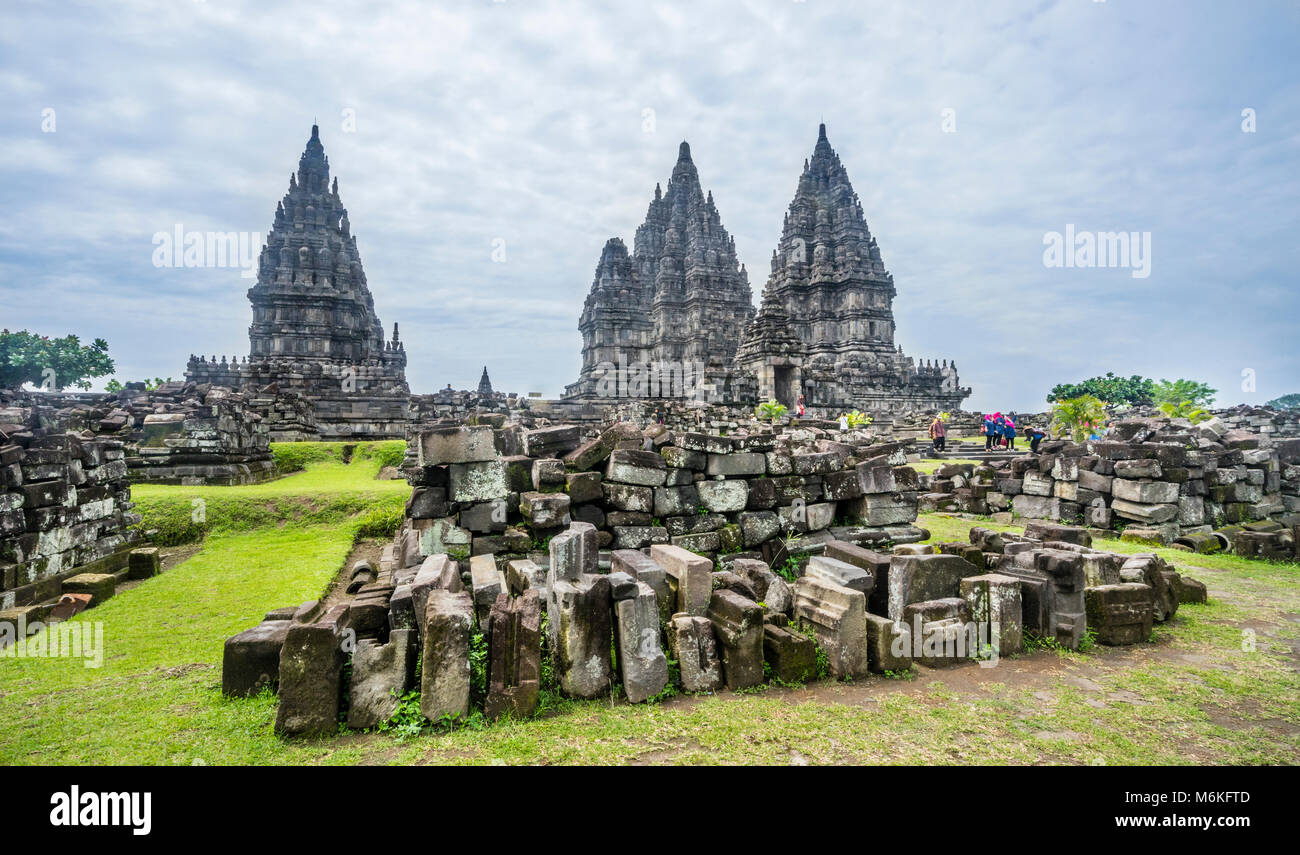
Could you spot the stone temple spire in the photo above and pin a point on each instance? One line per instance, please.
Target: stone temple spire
(314, 331)
(484, 384)
(827, 269)
(310, 270)
(830, 287)
(698, 295)
(680, 299)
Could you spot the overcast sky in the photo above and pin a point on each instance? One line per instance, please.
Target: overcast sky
(970, 130)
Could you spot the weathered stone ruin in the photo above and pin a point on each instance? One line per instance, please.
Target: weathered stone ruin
(826, 325)
(678, 309)
(1163, 481)
(178, 433)
(314, 329)
(638, 558)
(680, 301)
(65, 515)
(467, 405)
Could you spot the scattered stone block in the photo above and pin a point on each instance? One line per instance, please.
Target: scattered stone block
(1120, 614)
(311, 674)
(837, 616)
(840, 573)
(689, 574)
(889, 645)
(738, 624)
(381, 674)
(466, 444)
(792, 656)
(641, 468)
(445, 675)
(723, 496)
(100, 586)
(916, 578)
(578, 626)
(486, 584)
(641, 661)
(144, 563)
(515, 655)
(544, 510)
(692, 641)
(250, 660)
(993, 601)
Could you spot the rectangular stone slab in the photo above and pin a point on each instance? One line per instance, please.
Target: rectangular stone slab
(693, 574)
(445, 674)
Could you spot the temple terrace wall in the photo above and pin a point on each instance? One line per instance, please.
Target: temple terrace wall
(65, 509)
(178, 433)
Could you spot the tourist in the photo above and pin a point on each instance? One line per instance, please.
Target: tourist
(844, 422)
(1035, 436)
(990, 429)
(1009, 432)
(938, 433)
(799, 407)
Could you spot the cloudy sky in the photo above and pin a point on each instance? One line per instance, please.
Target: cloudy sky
(970, 130)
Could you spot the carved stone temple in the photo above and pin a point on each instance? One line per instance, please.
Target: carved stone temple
(825, 326)
(677, 305)
(314, 330)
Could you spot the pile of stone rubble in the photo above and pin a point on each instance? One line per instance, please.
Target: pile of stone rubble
(1162, 480)
(494, 618)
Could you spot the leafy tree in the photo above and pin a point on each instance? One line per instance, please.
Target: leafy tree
(1184, 410)
(1078, 417)
(114, 386)
(1184, 391)
(52, 363)
(1135, 390)
(770, 410)
(857, 419)
(1286, 402)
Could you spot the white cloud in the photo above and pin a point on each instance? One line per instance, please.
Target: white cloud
(483, 120)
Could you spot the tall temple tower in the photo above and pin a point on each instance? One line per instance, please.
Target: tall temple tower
(830, 291)
(314, 327)
(827, 270)
(311, 298)
(680, 299)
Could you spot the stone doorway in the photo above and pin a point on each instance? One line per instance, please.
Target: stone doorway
(783, 382)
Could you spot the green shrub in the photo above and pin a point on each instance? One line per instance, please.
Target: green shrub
(381, 522)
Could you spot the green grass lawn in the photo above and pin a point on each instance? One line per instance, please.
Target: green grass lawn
(329, 492)
(1192, 696)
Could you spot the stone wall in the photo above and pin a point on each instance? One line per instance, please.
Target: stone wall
(65, 506)
(478, 490)
(179, 433)
(348, 401)
(1163, 478)
(461, 404)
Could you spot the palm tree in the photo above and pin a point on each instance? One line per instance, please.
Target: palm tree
(1079, 416)
(1189, 410)
(770, 410)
